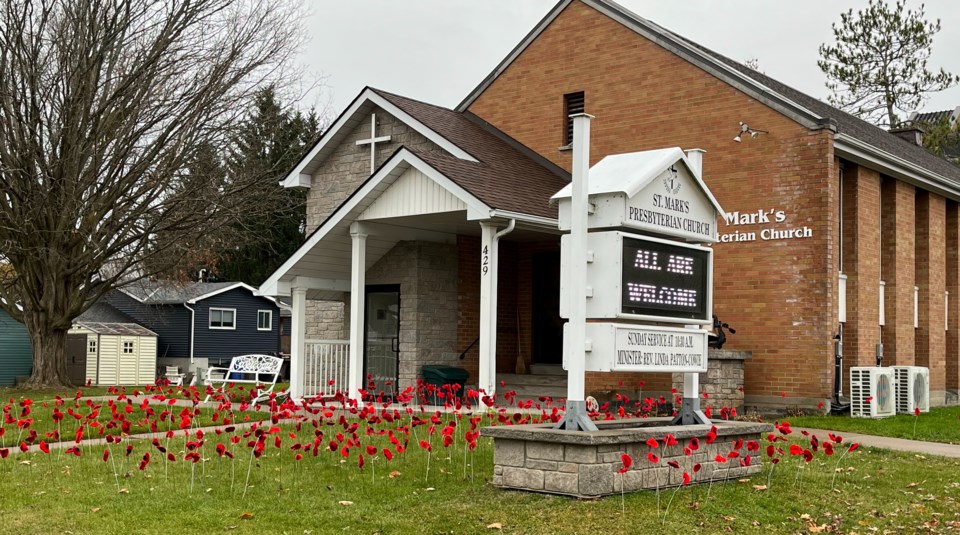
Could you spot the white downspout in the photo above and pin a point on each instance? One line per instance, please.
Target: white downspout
(193, 326)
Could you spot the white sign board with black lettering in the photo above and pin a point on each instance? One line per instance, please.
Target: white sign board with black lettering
(636, 277)
(642, 348)
(653, 191)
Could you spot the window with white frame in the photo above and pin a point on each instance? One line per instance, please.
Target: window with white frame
(128, 347)
(223, 318)
(91, 346)
(264, 320)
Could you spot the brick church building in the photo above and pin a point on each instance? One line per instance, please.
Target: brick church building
(432, 239)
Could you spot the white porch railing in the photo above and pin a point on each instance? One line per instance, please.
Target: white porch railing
(326, 364)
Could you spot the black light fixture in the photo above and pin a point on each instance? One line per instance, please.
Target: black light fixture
(745, 129)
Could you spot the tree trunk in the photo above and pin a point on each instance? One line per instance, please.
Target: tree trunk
(49, 350)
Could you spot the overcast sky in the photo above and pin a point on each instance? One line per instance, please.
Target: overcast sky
(439, 50)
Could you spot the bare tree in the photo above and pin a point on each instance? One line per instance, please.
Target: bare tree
(105, 107)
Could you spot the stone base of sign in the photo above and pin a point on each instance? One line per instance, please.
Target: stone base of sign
(585, 464)
(722, 382)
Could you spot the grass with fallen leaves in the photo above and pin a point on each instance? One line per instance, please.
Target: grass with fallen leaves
(874, 491)
(941, 424)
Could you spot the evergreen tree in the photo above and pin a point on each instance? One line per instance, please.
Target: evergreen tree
(877, 69)
(269, 143)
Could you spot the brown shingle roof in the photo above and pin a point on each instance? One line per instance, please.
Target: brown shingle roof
(507, 175)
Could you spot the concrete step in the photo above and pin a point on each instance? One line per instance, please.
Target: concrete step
(533, 386)
(547, 369)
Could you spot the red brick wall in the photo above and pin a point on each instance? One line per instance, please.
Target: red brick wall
(780, 295)
(897, 270)
(931, 279)
(861, 264)
(952, 352)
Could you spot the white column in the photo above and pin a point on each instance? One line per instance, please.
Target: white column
(488, 308)
(577, 278)
(358, 272)
(298, 330)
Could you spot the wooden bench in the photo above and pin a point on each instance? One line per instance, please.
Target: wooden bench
(172, 374)
(259, 370)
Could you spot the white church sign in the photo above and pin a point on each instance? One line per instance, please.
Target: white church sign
(645, 348)
(652, 191)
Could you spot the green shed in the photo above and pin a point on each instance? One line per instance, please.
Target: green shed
(16, 355)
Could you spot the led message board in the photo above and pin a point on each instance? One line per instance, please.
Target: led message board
(643, 278)
(664, 279)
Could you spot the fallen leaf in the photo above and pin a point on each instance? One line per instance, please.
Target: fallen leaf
(759, 487)
(246, 515)
(395, 473)
(805, 516)
(345, 503)
(429, 489)
(744, 480)
(911, 485)
(25, 462)
(95, 510)
(124, 491)
(495, 525)
(729, 518)
(229, 528)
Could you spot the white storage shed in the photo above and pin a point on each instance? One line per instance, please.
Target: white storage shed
(118, 353)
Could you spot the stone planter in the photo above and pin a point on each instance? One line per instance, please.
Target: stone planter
(583, 464)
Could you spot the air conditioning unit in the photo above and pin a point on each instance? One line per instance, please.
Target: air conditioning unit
(913, 388)
(872, 392)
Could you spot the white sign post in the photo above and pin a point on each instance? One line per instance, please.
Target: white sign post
(576, 417)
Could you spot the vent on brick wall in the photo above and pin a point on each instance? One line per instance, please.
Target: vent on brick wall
(572, 103)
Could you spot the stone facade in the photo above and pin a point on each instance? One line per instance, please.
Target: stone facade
(427, 275)
(585, 465)
(722, 382)
(349, 164)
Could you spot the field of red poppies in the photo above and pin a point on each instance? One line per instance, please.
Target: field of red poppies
(158, 460)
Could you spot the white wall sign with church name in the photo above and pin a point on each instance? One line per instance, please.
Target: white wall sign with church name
(642, 348)
(774, 225)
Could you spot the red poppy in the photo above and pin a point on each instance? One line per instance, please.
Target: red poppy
(686, 478)
(733, 454)
(916, 411)
(627, 462)
(670, 440)
(44, 448)
(674, 464)
(795, 449)
(696, 468)
(426, 445)
(853, 447)
(652, 442)
(388, 454)
(652, 457)
(371, 450)
(694, 443)
(298, 456)
(711, 436)
(106, 455)
(720, 459)
(828, 448)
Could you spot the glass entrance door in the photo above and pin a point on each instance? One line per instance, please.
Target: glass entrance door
(381, 349)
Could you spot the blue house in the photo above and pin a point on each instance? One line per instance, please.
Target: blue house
(200, 324)
(16, 353)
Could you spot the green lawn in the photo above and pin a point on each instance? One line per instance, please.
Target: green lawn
(939, 425)
(875, 491)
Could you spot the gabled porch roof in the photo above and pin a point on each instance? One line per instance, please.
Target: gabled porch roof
(478, 174)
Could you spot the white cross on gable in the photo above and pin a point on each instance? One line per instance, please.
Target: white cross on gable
(373, 141)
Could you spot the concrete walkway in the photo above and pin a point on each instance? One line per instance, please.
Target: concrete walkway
(896, 444)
